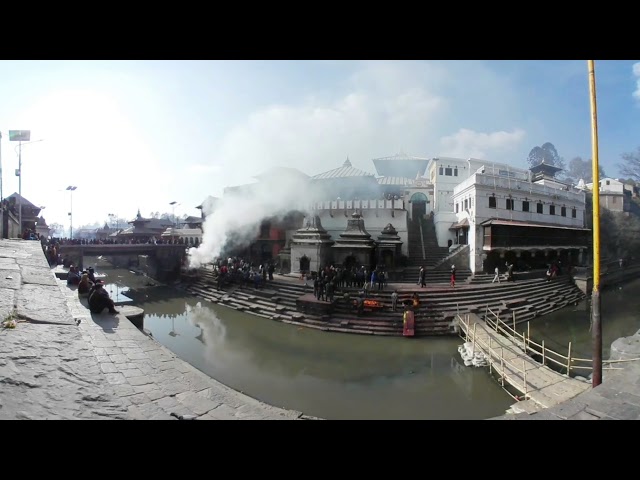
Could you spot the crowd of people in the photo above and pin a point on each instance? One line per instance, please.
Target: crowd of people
(92, 288)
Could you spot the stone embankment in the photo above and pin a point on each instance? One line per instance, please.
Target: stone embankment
(62, 362)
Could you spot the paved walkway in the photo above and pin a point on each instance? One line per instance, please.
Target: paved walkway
(617, 398)
(102, 368)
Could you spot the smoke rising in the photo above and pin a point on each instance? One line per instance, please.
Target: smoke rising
(236, 218)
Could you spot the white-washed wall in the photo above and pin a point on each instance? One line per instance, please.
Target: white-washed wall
(442, 222)
(479, 188)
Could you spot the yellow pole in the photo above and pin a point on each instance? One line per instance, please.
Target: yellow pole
(596, 324)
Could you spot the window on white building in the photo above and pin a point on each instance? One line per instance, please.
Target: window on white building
(441, 170)
(448, 171)
(455, 172)
(492, 202)
(563, 211)
(573, 213)
(466, 204)
(456, 208)
(525, 206)
(539, 208)
(510, 203)
(552, 209)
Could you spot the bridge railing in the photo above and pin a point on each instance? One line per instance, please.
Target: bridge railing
(566, 363)
(495, 351)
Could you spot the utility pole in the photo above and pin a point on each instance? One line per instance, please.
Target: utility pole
(71, 188)
(596, 321)
(20, 186)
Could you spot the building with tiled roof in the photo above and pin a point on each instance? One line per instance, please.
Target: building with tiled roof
(30, 211)
(401, 165)
(459, 197)
(143, 229)
(345, 182)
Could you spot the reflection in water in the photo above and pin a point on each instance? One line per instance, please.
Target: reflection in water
(619, 316)
(346, 376)
(330, 375)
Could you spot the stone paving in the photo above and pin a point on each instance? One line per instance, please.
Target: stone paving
(103, 367)
(616, 398)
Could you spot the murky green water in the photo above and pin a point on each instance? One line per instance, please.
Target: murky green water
(346, 376)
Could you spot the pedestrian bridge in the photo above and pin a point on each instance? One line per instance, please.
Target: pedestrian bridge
(522, 364)
(164, 260)
(120, 249)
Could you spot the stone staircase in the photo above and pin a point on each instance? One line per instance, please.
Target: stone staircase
(433, 255)
(277, 301)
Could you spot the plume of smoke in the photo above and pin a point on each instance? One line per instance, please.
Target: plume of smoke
(237, 216)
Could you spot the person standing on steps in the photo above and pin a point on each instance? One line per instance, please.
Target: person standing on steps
(453, 275)
(422, 277)
(496, 276)
(394, 300)
(510, 272)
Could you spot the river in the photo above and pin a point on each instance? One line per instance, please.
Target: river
(345, 376)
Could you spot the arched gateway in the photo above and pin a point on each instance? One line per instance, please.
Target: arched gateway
(418, 205)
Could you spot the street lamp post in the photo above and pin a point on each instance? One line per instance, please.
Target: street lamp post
(173, 207)
(19, 136)
(71, 188)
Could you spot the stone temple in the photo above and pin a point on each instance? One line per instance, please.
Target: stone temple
(423, 211)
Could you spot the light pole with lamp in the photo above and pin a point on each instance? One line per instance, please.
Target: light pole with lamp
(71, 188)
(19, 136)
(173, 207)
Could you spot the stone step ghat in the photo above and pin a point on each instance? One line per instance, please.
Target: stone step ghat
(439, 305)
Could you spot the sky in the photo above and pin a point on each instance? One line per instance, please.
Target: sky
(138, 134)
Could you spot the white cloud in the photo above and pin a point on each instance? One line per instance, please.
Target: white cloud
(200, 168)
(468, 143)
(376, 117)
(636, 73)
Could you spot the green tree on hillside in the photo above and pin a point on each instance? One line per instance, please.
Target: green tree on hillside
(630, 165)
(582, 169)
(547, 153)
(619, 234)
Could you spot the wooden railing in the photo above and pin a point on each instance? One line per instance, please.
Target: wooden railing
(567, 363)
(496, 355)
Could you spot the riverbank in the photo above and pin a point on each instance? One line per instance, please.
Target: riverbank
(616, 398)
(62, 362)
(105, 368)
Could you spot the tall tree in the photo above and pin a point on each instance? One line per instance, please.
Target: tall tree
(582, 169)
(630, 165)
(56, 229)
(546, 152)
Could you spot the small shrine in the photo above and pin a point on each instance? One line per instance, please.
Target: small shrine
(310, 246)
(355, 247)
(544, 171)
(389, 247)
(284, 259)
